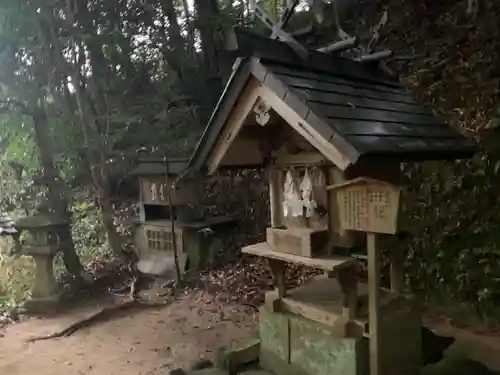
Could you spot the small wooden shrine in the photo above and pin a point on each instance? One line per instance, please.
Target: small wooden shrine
(332, 133)
(178, 192)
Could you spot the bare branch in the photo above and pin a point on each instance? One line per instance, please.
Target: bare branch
(376, 32)
(339, 46)
(377, 56)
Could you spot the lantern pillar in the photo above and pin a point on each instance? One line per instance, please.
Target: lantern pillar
(42, 242)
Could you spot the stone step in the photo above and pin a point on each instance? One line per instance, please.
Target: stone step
(255, 372)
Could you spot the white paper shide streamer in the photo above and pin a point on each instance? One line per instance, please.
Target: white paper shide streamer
(306, 189)
(292, 204)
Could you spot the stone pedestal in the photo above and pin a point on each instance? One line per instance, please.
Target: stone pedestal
(42, 244)
(45, 294)
(292, 344)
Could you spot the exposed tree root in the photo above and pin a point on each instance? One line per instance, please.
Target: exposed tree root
(102, 315)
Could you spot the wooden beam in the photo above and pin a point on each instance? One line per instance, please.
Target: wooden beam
(333, 263)
(276, 196)
(376, 56)
(376, 31)
(348, 281)
(278, 270)
(277, 27)
(239, 113)
(304, 129)
(374, 303)
(285, 17)
(302, 159)
(341, 45)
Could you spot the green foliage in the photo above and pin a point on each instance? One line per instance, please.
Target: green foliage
(88, 232)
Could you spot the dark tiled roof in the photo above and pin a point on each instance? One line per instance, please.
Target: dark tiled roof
(354, 106)
(374, 118)
(149, 167)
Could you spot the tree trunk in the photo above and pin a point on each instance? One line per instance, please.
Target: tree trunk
(189, 27)
(95, 126)
(173, 52)
(98, 166)
(207, 21)
(207, 14)
(56, 195)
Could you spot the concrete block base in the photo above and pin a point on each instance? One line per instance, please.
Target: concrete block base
(43, 305)
(293, 345)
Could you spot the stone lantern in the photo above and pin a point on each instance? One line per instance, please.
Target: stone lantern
(41, 241)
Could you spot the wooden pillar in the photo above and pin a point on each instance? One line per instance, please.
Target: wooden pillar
(374, 303)
(276, 196)
(348, 280)
(278, 270)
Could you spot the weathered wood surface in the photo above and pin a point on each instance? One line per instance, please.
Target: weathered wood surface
(321, 300)
(305, 242)
(263, 249)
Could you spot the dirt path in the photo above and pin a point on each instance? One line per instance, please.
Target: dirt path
(152, 341)
(144, 342)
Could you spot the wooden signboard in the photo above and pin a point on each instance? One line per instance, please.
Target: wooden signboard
(368, 205)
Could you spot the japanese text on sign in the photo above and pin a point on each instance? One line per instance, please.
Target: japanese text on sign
(368, 209)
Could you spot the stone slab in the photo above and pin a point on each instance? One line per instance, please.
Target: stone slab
(271, 362)
(274, 331)
(236, 358)
(319, 350)
(42, 306)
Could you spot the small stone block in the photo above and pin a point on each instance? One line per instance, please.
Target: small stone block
(272, 301)
(271, 362)
(274, 332)
(245, 354)
(41, 306)
(221, 358)
(344, 328)
(235, 358)
(319, 350)
(207, 371)
(256, 372)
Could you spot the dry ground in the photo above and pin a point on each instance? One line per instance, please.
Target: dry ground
(145, 341)
(152, 341)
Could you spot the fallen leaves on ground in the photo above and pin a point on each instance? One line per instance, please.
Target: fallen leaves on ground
(247, 280)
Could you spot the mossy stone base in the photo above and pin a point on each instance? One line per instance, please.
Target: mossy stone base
(293, 345)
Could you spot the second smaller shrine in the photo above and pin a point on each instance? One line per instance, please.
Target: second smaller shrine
(170, 198)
